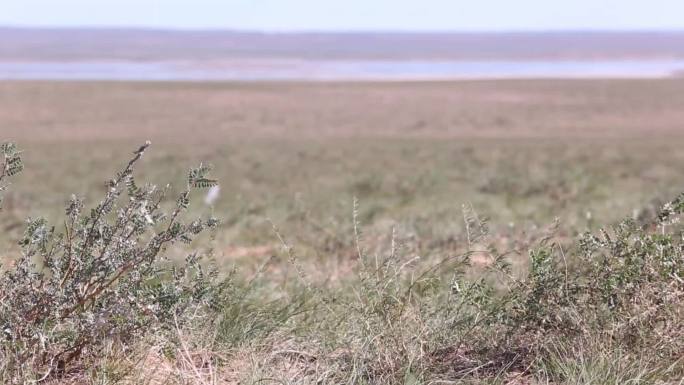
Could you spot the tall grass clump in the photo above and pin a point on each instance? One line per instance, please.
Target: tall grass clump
(98, 278)
(608, 309)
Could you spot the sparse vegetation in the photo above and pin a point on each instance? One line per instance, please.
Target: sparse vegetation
(301, 283)
(82, 304)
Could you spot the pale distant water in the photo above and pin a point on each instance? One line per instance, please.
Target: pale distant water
(278, 69)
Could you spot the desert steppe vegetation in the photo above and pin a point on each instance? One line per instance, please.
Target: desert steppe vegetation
(375, 233)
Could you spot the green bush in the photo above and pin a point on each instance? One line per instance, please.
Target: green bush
(11, 165)
(98, 277)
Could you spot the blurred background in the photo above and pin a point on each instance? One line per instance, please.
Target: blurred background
(529, 111)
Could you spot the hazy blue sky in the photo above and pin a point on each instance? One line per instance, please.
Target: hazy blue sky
(350, 14)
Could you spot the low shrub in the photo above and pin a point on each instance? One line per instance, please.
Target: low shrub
(99, 276)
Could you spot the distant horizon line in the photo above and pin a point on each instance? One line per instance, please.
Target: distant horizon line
(139, 28)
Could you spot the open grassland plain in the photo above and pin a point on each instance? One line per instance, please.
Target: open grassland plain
(521, 152)
(372, 233)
